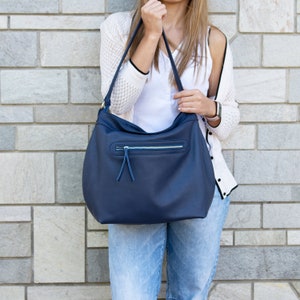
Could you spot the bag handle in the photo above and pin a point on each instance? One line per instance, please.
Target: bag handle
(175, 72)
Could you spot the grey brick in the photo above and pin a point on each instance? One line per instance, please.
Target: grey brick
(93, 224)
(70, 49)
(266, 16)
(97, 239)
(29, 6)
(294, 237)
(59, 241)
(269, 113)
(243, 137)
(15, 214)
(34, 86)
(224, 291)
(288, 44)
(281, 215)
(15, 270)
(85, 86)
(295, 192)
(12, 292)
(7, 137)
(66, 114)
(227, 238)
(65, 292)
(97, 265)
(265, 263)
(56, 22)
(115, 6)
(294, 86)
(227, 23)
(246, 50)
(274, 291)
(13, 114)
(3, 22)
(260, 85)
(277, 136)
(266, 193)
(162, 293)
(69, 177)
(26, 178)
(52, 137)
(15, 240)
(82, 6)
(267, 167)
(18, 49)
(243, 216)
(222, 6)
(260, 237)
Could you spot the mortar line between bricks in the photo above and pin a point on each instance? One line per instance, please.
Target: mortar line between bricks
(296, 15)
(60, 7)
(8, 22)
(54, 14)
(86, 246)
(69, 82)
(38, 49)
(56, 30)
(32, 245)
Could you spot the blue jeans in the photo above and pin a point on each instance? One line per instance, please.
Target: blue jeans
(136, 256)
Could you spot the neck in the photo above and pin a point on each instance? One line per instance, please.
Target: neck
(176, 14)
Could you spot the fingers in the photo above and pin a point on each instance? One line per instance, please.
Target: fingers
(185, 93)
(192, 101)
(189, 96)
(189, 106)
(152, 14)
(154, 8)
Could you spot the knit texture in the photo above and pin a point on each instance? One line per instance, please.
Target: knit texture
(130, 82)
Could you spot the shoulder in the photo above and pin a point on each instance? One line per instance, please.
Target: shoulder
(217, 43)
(119, 22)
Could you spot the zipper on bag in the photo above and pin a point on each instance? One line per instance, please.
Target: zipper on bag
(123, 148)
(127, 148)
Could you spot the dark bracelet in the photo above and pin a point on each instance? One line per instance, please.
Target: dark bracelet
(138, 68)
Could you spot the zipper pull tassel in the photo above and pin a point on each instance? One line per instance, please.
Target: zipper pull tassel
(126, 160)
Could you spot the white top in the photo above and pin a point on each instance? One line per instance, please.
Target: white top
(131, 83)
(155, 108)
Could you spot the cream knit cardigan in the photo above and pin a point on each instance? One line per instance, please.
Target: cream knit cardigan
(130, 83)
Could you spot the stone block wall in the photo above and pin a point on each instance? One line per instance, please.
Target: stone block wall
(50, 246)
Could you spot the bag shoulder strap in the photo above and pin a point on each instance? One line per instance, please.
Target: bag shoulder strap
(174, 69)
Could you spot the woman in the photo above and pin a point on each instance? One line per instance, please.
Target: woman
(145, 94)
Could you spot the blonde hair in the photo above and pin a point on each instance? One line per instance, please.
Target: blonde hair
(196, 23)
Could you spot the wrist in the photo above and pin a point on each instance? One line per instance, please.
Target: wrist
(212, 110)
(152, 36)
(217, 112)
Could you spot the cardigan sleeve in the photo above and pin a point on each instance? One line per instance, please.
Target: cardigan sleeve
(226, 96)
(130, 82)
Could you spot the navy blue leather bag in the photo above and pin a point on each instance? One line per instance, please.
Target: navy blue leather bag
(134, 177)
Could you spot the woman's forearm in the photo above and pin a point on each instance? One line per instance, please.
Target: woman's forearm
(144, 54)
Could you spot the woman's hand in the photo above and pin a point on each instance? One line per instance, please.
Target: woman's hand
(153, 13)
(193, 101)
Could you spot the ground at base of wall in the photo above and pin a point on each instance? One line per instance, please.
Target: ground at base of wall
(242, 290)
(255, 291)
